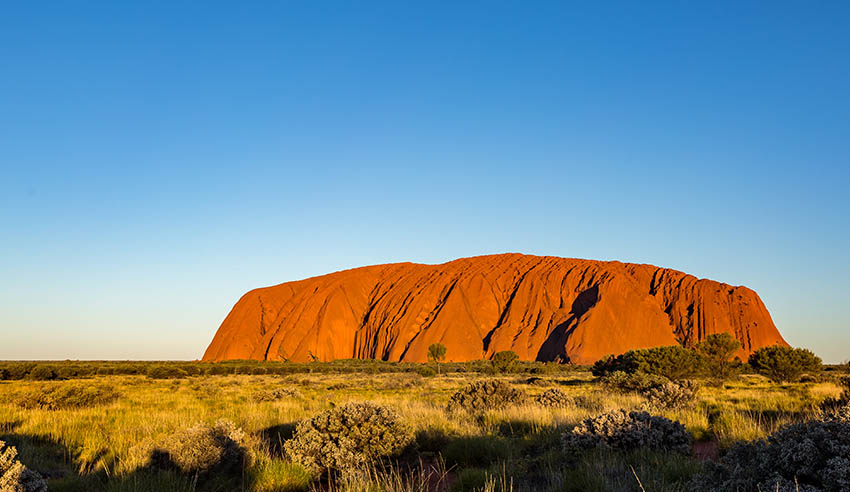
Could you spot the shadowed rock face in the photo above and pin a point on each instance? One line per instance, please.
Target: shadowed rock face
(542, 308)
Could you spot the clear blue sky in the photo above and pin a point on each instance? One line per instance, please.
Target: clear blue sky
(159, 159)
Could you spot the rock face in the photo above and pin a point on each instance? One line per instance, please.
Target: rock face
(542, 308)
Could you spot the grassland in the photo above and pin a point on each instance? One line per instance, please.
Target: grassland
(107, 446)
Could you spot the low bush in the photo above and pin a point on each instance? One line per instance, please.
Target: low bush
(672, 395)
(347, 437)
(624, 430)
(68, 371)
(43, 372)
(275, 394)
(673, 362)
(785, 364)
(14, 476)
(811, 456)
(401, 381)
(553, 398)
(18, 370)
(480, 396)
(62, 396)
(218, 369)
(610, 364)
(165, 372)
(637, 382)
(201, 449)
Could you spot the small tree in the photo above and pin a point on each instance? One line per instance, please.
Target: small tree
(436, 354)
(784, 364)
(718, 352)
(504, 361)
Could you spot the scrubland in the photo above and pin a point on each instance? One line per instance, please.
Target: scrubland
(174, 431)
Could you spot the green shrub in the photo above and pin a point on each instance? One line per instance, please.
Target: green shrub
(480, 396)
(43, 372)
(718, 354)
(347, 437)
(673, 362)
(659, 391)
(504, 361)
(480, 366)
(68, 371)
(191, 369)
(809, 456)
(784, 364)
(62, 396)
(201, 449)
(218, 369)
(610, 364)
(15, 477)
(165, 372)
(19, 370)
(624, 430)
(243, 370)
(553, 398)
(426, 372)
(637, 382)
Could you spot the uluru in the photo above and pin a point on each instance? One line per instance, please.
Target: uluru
(541, 307)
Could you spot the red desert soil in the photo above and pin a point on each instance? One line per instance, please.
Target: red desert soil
(541, 307)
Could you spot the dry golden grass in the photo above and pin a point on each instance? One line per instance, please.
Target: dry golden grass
(109, 444)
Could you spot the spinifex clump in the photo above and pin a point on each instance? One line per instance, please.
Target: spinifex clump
(480, 396)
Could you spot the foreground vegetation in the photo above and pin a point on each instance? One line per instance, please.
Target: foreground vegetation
(365, 425)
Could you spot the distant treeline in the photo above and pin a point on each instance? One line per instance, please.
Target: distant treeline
(51, 370)
(659, 358)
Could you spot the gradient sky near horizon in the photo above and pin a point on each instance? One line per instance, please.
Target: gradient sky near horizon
(159, 159)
